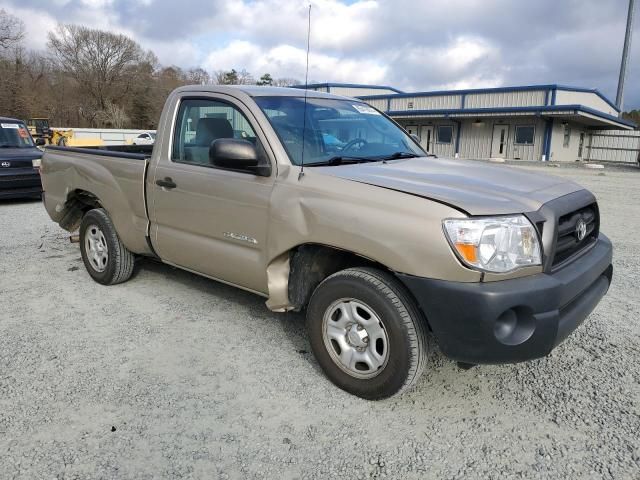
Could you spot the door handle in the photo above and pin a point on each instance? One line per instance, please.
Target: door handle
(166, 183)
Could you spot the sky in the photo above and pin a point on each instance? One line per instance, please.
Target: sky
(414, 45)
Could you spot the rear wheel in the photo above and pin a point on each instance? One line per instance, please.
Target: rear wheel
(367, 333)
(106, 259)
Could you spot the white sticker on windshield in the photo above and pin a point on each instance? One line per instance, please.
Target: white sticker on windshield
(365, 109)
(10, 125)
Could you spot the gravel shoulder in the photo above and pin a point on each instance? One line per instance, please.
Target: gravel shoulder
(175, 376)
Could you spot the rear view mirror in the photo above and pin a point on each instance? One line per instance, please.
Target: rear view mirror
(237, 154)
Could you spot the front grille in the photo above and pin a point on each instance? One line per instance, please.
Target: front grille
(567, 239)
(13, 178)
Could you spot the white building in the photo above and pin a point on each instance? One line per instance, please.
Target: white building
(535, 122)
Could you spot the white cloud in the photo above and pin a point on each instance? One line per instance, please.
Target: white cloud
(405, 43)
(289, 61)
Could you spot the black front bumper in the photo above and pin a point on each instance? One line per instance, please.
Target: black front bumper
(513, 320)
(17, 183)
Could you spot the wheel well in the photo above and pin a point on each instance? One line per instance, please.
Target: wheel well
(310, 264)
(78, 203)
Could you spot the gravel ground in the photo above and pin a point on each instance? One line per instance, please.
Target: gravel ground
(174, 376)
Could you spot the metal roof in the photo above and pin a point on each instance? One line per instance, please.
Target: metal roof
(535, 110)
(522, 88)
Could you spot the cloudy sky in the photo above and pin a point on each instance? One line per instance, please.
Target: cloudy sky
(411, 45)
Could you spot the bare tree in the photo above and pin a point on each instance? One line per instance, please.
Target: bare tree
(245, 78)
(286, 82)
(198, 76)
(11, 30)
(100, 62)
(113, 116)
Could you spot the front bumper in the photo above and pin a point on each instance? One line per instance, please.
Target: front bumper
(513, 320)
(17, 183)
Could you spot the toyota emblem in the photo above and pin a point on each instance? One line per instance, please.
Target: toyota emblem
(581, 229)
(6, 164)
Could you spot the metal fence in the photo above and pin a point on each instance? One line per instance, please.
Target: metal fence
(618, 146)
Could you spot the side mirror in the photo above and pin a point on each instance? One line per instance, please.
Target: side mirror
(40, 142)
(237, 154)
(415, 137)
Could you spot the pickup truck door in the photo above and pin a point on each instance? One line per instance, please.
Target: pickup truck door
(209, 219)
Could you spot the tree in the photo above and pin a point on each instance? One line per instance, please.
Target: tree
(100, 63)
(227, 78)
(265, 80)
(245, 78)
(633, 115)
(198, 76)
(286, 82)
(11, 30)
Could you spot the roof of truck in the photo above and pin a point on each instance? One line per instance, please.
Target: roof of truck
(258, 91)
(9, 119)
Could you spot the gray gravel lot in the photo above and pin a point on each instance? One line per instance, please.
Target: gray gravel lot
(174, 376)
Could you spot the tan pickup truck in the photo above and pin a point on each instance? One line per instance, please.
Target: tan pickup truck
(322, 203)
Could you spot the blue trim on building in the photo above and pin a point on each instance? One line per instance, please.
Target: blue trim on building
(533, 110)
(546, 97)
(548, 131)
(551, 87)
(568, 88)
(348, 85)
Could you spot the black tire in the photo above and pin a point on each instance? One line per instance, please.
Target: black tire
(119, 264)
(403, 323)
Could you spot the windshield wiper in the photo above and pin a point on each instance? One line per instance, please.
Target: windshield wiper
(397, 155)
(340, 160)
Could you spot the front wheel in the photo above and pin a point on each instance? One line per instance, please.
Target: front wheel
(106, 259)
(367, 333)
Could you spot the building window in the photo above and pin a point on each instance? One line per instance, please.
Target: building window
(567, 136)
(445, 134)
(525, 134)
(409, 105)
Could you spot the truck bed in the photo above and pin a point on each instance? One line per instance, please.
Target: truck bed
(115, 178)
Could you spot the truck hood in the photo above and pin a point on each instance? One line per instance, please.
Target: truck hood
(475, 188)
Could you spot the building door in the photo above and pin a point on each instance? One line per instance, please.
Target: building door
(580, 145)
(412, 130)
(426, 138)
(499, 141)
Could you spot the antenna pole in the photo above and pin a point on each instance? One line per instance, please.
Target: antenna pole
(306, 89)
(625, 56)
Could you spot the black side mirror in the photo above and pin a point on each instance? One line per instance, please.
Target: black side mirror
(40, 142)
(237, 154)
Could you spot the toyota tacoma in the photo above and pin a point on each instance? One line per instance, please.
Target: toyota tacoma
(323, 204)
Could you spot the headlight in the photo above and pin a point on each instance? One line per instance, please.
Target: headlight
(494, 244)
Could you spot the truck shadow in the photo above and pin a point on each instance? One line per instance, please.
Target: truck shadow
(19, 201)
(290, 324)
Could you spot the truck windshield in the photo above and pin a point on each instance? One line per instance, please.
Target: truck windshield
(335, 128)
(14, 135)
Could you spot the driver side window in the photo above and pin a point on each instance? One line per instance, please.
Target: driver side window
(200, 122)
